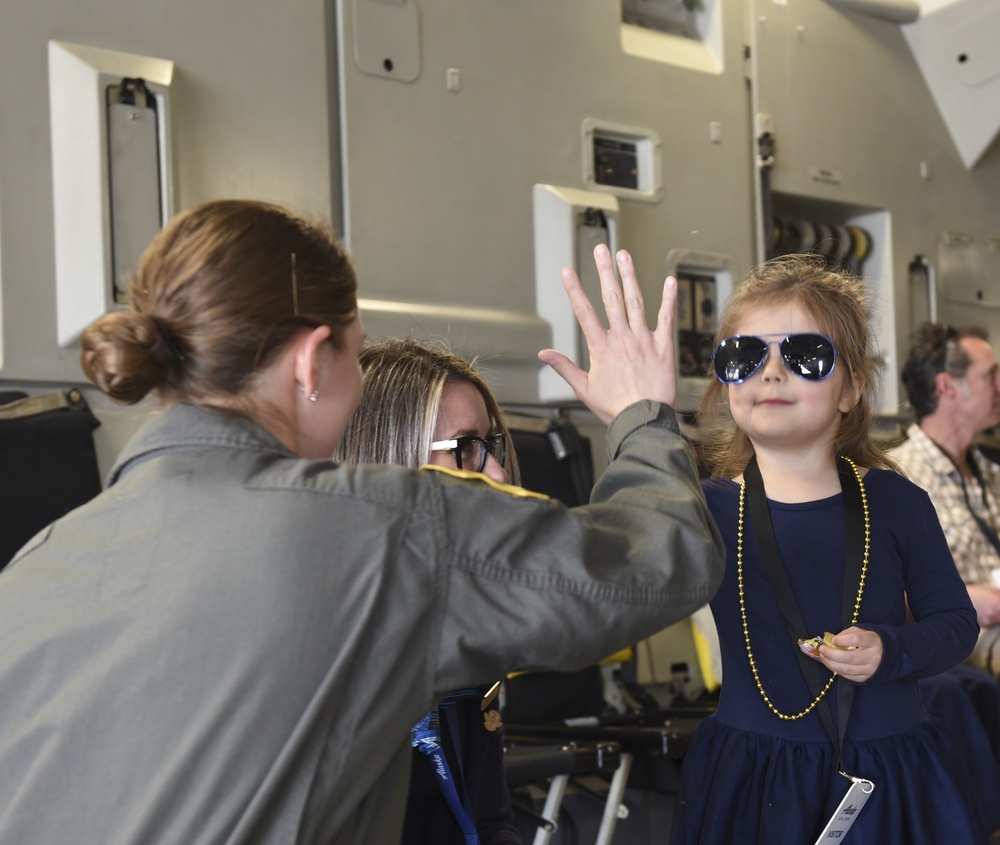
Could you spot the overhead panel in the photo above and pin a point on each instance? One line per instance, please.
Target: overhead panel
(387, 38)
(956, 43)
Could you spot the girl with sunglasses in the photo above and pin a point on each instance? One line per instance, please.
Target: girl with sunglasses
(820, 734)
(420, 405)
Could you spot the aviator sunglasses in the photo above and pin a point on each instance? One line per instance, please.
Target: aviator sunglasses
(809, 356)
(471, 452)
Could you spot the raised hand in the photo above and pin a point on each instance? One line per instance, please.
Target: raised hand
(628, 362)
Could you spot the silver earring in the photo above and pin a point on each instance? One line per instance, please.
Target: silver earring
(314, 396)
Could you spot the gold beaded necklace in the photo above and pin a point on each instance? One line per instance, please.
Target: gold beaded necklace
(743, 609)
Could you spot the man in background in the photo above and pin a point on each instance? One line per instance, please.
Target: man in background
(952, 379)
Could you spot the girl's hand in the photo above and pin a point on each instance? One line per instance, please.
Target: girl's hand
(986, 600)
(628, 362)
(855, 654)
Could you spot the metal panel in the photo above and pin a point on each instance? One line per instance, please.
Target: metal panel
(111, 173)
(439, 177)
(244, 127)
(135, 177)
(858, 139)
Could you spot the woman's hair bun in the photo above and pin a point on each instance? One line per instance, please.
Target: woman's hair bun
(123, 354)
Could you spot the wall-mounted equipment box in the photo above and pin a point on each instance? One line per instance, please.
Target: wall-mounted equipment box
(569, 224)
(686, 33)
(968, 270)
(704, 282)
(111, 173)
(858, 239)
(622, 160)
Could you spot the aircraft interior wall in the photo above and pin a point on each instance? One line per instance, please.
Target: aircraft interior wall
(857, 137)
(430, 167)
(457, 143)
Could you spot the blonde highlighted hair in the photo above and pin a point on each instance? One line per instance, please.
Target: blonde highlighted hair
(400, 399)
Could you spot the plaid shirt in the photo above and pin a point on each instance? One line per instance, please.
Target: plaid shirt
(928, 466)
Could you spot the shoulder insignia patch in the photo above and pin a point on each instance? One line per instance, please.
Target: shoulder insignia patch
(467, 475)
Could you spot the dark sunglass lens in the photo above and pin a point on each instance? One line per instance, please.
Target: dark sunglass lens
(737, 358)
(810, 356)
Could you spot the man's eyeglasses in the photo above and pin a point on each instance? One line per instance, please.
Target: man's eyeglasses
(809, 356)
(471, 452)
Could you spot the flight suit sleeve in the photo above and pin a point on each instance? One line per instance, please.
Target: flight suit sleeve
(531, 584)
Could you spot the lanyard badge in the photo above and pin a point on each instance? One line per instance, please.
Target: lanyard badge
(847, 811)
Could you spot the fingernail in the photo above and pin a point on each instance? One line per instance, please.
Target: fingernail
(624, 257)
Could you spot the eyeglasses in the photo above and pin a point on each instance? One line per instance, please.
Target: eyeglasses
(809, 356)
(471, 452)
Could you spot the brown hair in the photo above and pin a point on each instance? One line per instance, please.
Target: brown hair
(936, 348)
(217, 294)
(840, 304)
(401, 395)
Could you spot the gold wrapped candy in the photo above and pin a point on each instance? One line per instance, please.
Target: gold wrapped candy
(812, 644)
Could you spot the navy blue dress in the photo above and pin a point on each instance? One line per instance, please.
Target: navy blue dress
(751, 777)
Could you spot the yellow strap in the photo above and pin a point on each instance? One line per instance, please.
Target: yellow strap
(32, 405)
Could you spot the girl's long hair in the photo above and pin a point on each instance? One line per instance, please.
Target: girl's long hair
(840, 304)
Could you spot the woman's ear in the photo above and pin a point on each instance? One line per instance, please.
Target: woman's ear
(307, 347)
